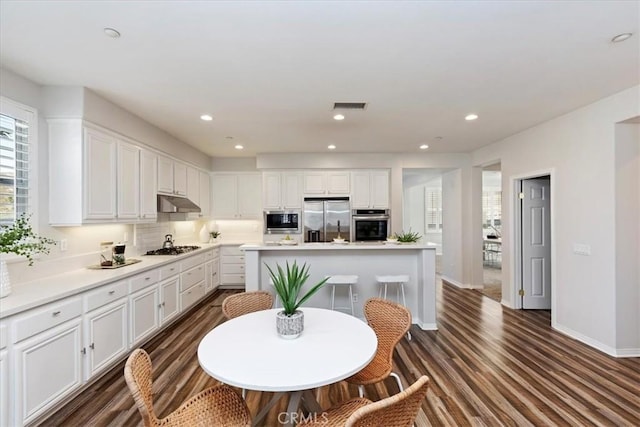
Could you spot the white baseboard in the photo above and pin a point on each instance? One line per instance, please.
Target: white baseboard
(506, 303)
(454, 282)
(428, 326)
(611, 351)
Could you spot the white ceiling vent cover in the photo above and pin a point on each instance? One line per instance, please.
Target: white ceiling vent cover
(349, 105)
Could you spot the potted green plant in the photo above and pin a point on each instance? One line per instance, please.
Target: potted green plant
(20, 239)
(407, 237)
(288, 284)
(213, 236)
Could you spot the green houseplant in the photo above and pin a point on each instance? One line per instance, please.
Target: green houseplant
(408, 236)
(20, 239)
(288, 284)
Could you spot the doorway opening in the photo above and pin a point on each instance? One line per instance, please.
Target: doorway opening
(533, 212)
(492, 232)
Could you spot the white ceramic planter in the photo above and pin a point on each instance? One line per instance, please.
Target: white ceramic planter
(290, 327)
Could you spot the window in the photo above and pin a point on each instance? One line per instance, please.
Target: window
(492, 209)
(18, 125)
(433, 209)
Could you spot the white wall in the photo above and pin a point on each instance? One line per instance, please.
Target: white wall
(627, 193)
(578, 150)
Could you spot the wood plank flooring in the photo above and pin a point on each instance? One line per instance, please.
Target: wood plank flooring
(488, 365)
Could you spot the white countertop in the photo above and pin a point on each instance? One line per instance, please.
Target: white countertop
(336, 246)
(42, 291)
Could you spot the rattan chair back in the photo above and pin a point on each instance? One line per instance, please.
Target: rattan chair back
(399, 410)
(246, 302)
(215, 406)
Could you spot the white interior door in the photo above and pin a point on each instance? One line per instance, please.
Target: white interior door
(536, 243)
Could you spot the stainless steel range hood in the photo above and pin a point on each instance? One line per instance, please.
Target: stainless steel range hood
(175, 204)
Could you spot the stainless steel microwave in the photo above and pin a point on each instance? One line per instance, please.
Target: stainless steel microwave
(282, 222)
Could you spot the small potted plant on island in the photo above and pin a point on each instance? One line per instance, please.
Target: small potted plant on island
(213, 236)
(20, 239)
(407, 237)
(290, 321)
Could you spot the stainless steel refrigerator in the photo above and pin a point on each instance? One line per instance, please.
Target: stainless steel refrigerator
(325, 218)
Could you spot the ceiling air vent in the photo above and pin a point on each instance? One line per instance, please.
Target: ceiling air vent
(349, 105)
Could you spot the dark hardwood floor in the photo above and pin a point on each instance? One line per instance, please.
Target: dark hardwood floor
(488, 365)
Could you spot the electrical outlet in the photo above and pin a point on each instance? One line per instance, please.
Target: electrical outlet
(63, 245)
(355, 297)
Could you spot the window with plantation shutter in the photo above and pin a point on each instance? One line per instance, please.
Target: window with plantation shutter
(433, 209)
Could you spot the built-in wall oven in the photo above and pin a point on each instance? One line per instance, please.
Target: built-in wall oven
(369, 225)
(282, 222)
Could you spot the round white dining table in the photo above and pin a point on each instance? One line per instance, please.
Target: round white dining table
(247, 352)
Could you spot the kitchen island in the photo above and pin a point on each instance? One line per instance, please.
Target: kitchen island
(366, 260)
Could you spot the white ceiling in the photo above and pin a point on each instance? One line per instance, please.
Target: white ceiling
(269, 72)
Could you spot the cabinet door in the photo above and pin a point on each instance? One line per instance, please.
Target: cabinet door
(224, 191)
(47, 367)
(193, 185)
(179, 179)
(338, 182)
(106, 330)
(5, 405)
(128, 181)
(169, 294)
(314, 182)
(208, 279)
(249, 196)
(205, 194)
(291, 190)
(144, 313)
(165, 175)
(215, 274)
(148, 185)
(99, 175)
(379, 189)
(360, 189)
(271, 190)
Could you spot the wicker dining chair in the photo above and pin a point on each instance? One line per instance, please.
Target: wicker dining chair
(399, 410)
(246, 302)
(219, 405)
(390, 322)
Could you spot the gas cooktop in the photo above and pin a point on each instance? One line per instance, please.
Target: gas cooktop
(174, 250)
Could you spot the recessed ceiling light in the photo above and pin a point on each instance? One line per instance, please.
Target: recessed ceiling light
(206, 117)
(621, 37)
(110, 32)
(470, 117)
(239, 147)
(331, 147)
(338, 117)
(424, 146)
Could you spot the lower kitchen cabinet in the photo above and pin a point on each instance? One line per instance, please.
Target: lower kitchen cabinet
(47, 367)
(191, 296)
(232, 267)
(144, 313)
(106, 336)
(169, 297)
(5, 403)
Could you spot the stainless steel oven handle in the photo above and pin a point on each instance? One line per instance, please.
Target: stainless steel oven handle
(370, 218)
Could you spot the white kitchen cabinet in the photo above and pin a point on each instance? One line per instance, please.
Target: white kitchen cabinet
(5, 402)
(165, 175)
(370, 189)
(327, 183)
(145, 318)
(193, 185)
(148, 185)
(47, 367)
(179, 179)
(169, 299)
(282, 190)
(232, 268)
(106, 336)
(128, 181)
(236, 195)
(205, 194)
(100, 165)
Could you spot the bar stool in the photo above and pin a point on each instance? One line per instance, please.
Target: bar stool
(398, 281)
(348, 281)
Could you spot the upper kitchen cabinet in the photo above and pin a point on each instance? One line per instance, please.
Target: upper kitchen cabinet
(172, 177)
(236, 195)
(327, 183)
(205, 194)
(94, 175)
(148, 185)
(282, 190)
(370, 189)
(193, 185)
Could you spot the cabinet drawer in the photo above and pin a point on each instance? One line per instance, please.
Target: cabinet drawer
(191, 262)
(231, 250)
(143, 280)
(232, 268)
(169, 270)
(233, 259)
(215, 253)
(232, 279)
(105, 295)
(191, 277)
(191, 296)
(41, 319)
(208, 256)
